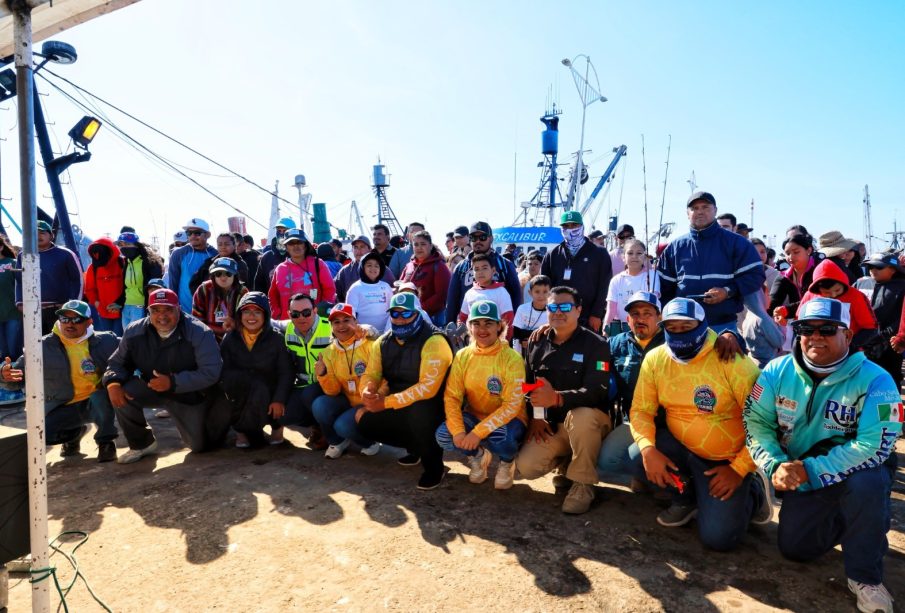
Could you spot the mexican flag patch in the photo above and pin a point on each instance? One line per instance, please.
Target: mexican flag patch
(604, 366)
(891, 412)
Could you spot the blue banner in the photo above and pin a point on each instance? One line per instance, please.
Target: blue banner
(525, 235)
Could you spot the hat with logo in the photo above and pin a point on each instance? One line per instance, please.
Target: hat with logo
(404, 301)
(461, 231)
(701, 195)
(570, 217)
(342, 308)
(285, 222)
(75, 306)
(484, 309)
(180, 237)
(645, 297)
(883, 260)
(166, 297)
(128, 237)
(683, 309)
(197, 224)
(294, 234)
(834, 244)
(225, 265)
(825, 309)
(481, 227)
(43, 226)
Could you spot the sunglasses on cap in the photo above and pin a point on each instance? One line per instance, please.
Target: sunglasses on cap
(824, 330)
(401, 314)
(560, 307)
(222, 273)
(302, 313)
(66, 319)
(479, 236)
(194, 232)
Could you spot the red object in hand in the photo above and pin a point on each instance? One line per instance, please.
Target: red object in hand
(527, 388)
(680, 485)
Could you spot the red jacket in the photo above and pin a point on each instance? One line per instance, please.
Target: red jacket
(105, 279)
(431, 277)
(862, 314)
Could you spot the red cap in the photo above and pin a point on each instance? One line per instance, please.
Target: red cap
(163, 296)
(342, 308)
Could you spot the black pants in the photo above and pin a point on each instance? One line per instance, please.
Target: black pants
(411, 428)
(248, 412)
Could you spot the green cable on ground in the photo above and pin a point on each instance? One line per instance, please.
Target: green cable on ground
(51, 571)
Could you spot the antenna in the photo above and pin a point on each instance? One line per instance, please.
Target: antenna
(692, 182)
(644, 174)
(385, 214)
(868, 231)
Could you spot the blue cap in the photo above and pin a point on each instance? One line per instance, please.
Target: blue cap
(294, 235)
(825, 309)
(226, 265)
(683, 309)
(646, 297)
(285, 222)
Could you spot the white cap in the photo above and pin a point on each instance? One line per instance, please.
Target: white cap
(196, 222)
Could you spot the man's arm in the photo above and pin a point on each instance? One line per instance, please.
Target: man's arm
(454, 293)
(513, 287)
(207, 359)
(604, 276)
(666, 270)
(174, 269)
(762, 425)
(73, 275)
(120, 367)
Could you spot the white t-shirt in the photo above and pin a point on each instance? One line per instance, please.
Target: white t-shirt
(499, 295)
(623, 286)
(371, 301)
(528, 318)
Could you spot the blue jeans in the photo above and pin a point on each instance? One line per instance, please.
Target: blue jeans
(854, 513)
(721, 523)
(64, 422)
(619, 455)
(102, 324)
(346, 428)
(731, 326)
(504, 441)
(337, 420)
(299, 408)
(11, 338)
(130, 313)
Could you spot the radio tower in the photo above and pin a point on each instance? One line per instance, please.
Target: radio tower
(868, 231)
(385, 214)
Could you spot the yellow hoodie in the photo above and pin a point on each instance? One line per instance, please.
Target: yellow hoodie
(346, 363)
(82, 368)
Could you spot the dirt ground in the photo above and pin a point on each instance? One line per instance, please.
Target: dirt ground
(283, 529)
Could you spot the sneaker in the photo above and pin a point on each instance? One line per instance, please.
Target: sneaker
(106, 452)
(579, 498)
(162, 414)
(134, 455)
(871, 598)
(430, 480)
(371, 450)
(73, 447)
(561, 482)
(409, 459)
(479, 464)
(334, 451)
(764, 513)
(677, 515)
(242, 441)
(505, 474)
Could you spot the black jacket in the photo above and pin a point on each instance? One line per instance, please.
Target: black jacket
(591, 271)
(579, 369)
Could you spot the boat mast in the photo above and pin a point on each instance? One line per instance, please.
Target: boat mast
(589, 95)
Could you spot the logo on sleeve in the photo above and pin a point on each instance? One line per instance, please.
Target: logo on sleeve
(494, 385)
(891, 412)
(704, 398)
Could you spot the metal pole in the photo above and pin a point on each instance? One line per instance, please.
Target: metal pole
(31, 303)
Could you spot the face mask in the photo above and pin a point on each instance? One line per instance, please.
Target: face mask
(129, 253)
(406, 331)
(574, 238)
(684, 346)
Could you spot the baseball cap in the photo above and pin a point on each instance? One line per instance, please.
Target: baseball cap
(404, 301)
(595, 234)
(882, 260)
(128, 237)
(625, 228)
(226, 265)
(342, 308)
(75, 306)
(285, 222)
(484, 309)
(401, 286)
(481, 226)
(826, 309)
(180, 237)
(701, 195)
(571, 217)
(646, 297)
(156, 282)
(43, 226)
(196, 222)
(294, 234)
(362, 239)
(743, 227)
(460, 231)
(683, 309)
(165, 297)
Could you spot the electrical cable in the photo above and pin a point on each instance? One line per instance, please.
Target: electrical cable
(42, 574)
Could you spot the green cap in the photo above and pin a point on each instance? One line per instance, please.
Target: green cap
(404, 301)
(570, 217)
(43, 226)
(484, 309)
(75, 306)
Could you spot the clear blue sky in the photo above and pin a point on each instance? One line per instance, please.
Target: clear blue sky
(796, 105)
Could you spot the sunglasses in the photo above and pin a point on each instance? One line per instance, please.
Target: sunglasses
(302, 313)
(194, 232)
(561, 307)
(479, 237)
(65, 319)
(824, 330)
(402, 314)
(223, 273)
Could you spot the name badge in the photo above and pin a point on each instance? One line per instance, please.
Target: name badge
(577, 357)
(351, 386)
(567, 275)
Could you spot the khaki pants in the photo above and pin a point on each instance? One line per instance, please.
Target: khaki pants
(577, 442)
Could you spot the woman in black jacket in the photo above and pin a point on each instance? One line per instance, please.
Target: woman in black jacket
(257, 374)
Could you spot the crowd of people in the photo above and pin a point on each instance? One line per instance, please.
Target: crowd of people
(715, 373)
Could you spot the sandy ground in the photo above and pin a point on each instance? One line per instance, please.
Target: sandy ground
(283, 529)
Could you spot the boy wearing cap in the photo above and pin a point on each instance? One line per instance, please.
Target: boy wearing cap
(703, 441)
(186, 260)
(339, 370)
(74, 357)
(216, 301)
(169, 360)
(822, 422)
(887, 293)
(578, 263)
(61, 277)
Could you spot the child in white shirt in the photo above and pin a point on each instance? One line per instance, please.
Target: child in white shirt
(635, 278)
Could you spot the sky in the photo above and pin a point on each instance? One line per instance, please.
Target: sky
(796, 106)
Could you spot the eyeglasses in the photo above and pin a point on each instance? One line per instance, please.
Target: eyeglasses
(65, 319)
(194, 232)
(560, 307)
(402, 314)
(825, 329)
(222, 273)
(302, 313)
(479, 237)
